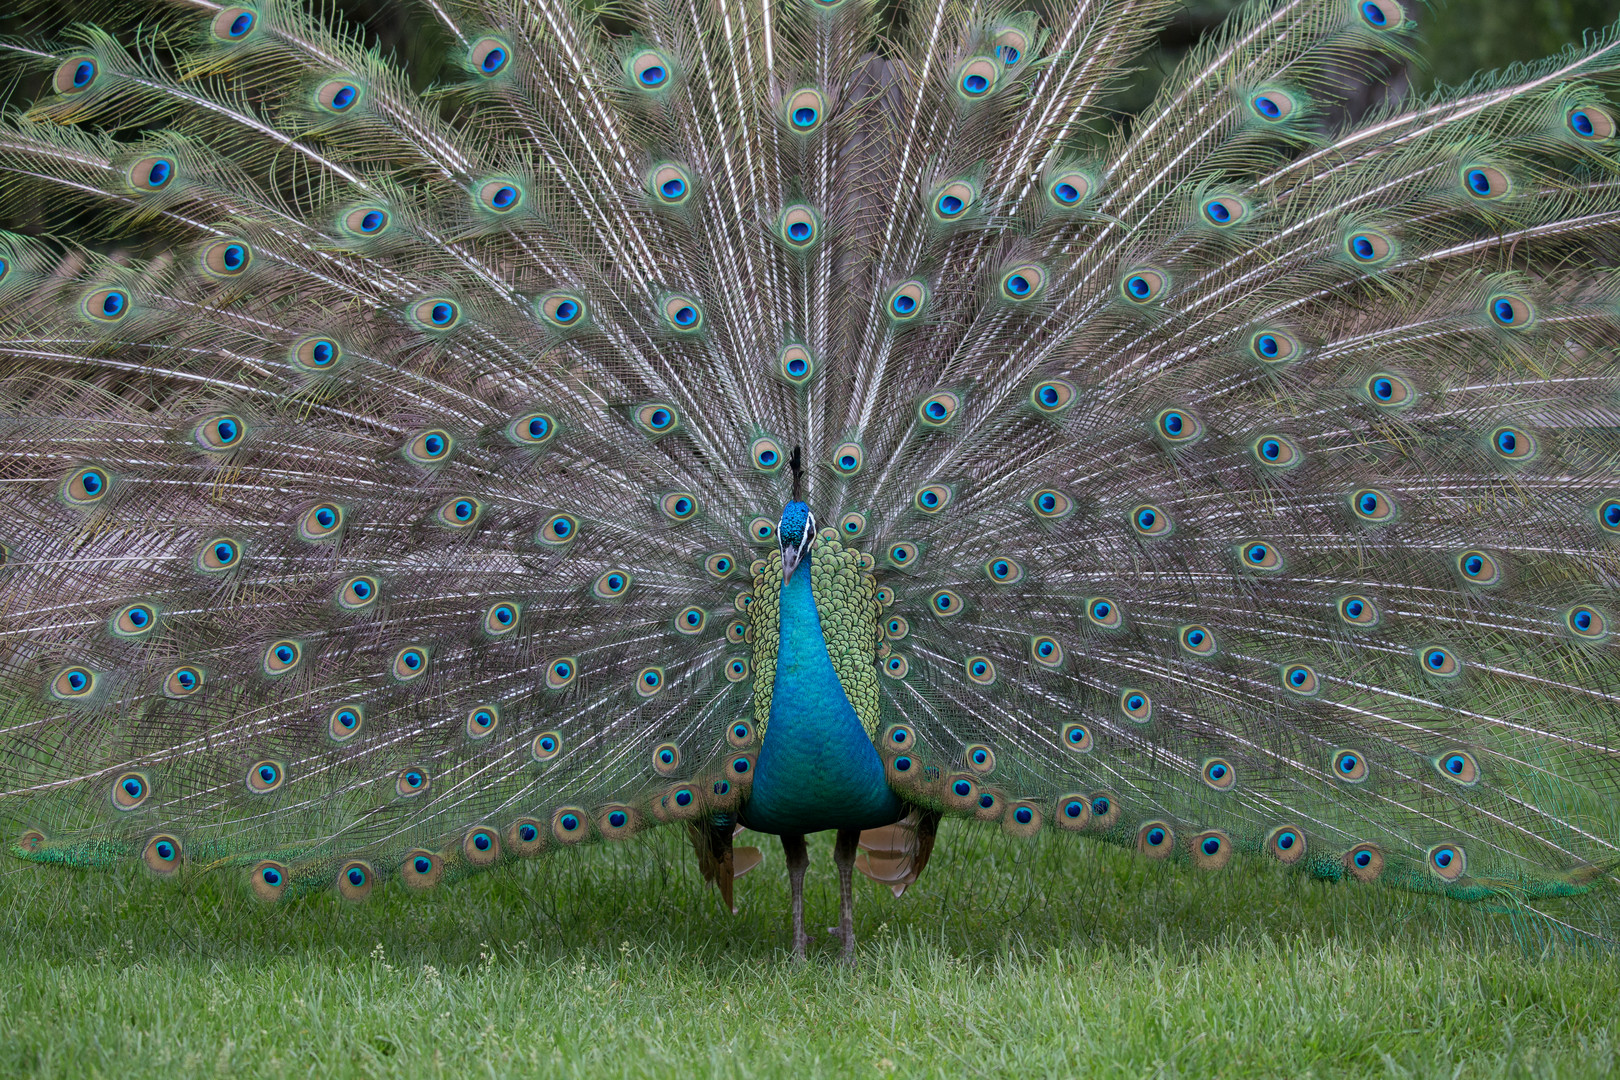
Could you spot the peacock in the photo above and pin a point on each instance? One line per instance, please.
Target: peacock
(807, 415)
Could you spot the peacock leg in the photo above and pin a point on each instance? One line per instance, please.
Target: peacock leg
(844, 857)
(798, 860)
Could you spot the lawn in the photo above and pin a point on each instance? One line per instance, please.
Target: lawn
(1052, 958)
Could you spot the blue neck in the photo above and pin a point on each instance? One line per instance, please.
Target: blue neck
(818, 769)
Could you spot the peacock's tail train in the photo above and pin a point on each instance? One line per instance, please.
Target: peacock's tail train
(1227, 481)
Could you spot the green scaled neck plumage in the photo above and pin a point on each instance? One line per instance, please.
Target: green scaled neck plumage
(817, 768)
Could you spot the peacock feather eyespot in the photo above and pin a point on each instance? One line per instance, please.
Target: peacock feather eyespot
(1012, 44)
(1372, 506)
(1219, 774)
(666, 759)
(1144, 285)
(903, 554)
(1077, 738)
(1479, 568)
(481, 847)
(1458, 766)
(1608, 515)
(219, 555)
(1586, 623)
(339, 95)
(1439, 661)
(1273, 105)
(183, 682)
(545, 746)
(226, 258)
(355, 880)
(358, 592)
(570, 825)
(657, 418)
(282, 658)
(799, 227)
(1511, 311)
(1068, 189)
(796, 364)
(525, 837)
(268, 880)
(1300, 679)
(885, 596)
(1003, 570)
(1485, 183)
(432, 447)
(1357, 611)
(234, 23)
(1211, 849)
(1155, 839)
(614, 583)
(76, 74)
(412, 781)
(409, 664)
(670, 184)
(1023, 819)
(1448, 862)
(345, 722)
(500, 196)
(906, 301)
(222, 432)
(502, 619)
(616, 822)
(1104, 613)
(162, 854)
(1148, 520)
(134, 621)
(561, 310)
(1023, 282)
(897, 628)
(482, 720)
(1052, 397)
(1051, 505)
(980, 759)
(1286, 844)
(740, 733)
(980, 670)
(365, 221)
(1389, 391)
(1137, 705)
(1590, 123)
(737, 669)
(649, 681)
(107, 305)
(421, 870)
(1046, 651)
(558, 531)
(1369, 247)
(1224, 211)
(1197, 640)
(1105, 810)
(952, 201)
(533, 430)
(766, 455)
(264, 777)
(847, 458)
(977, 78)
(1276, 452)
(946, 603)
(804, 110)
(1350, 766)
(1073, 812)
(86, 486)
(1273, 346)
(932, 499)
(151, 174)
(436, 314)
(561, 672)
(1260, 555)
(679, 505)
(896, 666)
(74, 683)
(650, 70)
(1382, 15)
(488, 57)
(316, 354)
(130, 790)
(1177, 426)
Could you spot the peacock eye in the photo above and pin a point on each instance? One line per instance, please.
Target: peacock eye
(489, 57)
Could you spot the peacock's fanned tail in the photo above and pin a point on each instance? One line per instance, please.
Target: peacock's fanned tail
(1232, 481)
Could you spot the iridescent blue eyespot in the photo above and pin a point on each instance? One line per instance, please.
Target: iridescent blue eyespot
(962, 788)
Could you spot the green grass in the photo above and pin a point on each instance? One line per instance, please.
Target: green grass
(1057, 958)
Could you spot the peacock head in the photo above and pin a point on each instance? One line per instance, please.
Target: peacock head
(797, 530)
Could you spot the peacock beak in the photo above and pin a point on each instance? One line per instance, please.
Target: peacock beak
(790, 560)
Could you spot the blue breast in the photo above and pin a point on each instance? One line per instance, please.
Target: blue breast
(818, 769)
